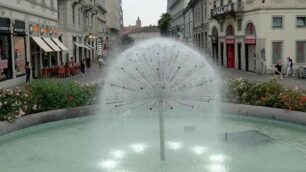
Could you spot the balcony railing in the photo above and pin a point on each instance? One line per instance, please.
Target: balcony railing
(226, 10)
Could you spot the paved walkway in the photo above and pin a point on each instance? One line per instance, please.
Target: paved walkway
(235, 74)
(94, 74)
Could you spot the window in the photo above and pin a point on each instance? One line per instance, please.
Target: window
(230, 30)
(300, 52)
(229, 1)
(205, 10)
(215, 4)
(250, 29)
(73, 13)
(199, 15)
(277, 51)
(277, 22)
(19, 54)
(301, 21)
(195, 16)
(221, 3)
(5, 58)
(239, 23)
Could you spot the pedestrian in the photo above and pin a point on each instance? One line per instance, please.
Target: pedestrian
(83, 67)
(28, 72)
(101, 62)
(278, 70)
(289, 67)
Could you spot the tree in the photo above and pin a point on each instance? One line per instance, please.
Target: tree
(164, 23)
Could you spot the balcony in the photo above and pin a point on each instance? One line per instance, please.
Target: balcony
(227, 10)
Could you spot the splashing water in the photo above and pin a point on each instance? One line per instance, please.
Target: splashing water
(160, 72)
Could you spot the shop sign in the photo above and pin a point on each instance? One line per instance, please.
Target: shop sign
(250, 41)
(46, 29)
(223, 10)
(19, 27)
(34, 28)
(3, 64)
(5, 25)
(230, 41)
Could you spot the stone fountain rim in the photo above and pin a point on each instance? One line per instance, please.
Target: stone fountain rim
(84, 111)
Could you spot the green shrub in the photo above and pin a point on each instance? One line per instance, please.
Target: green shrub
(50, 94)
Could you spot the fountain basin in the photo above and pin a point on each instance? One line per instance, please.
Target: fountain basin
(131, 144)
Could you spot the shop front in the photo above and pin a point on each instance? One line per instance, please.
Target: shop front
(6, 67)
(19, 40)
(230, 52)
(250, 48)
(230, 46)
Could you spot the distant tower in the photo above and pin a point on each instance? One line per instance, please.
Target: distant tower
(138, 22)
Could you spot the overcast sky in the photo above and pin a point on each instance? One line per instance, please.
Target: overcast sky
(149, 11)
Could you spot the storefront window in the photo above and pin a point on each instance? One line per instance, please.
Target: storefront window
(20, 57)
(45, 60)
(5, 58)
(53, 59)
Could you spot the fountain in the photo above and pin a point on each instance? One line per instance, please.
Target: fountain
(162, 75)
(159, 113)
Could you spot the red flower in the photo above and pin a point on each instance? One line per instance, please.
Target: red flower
(70, 98)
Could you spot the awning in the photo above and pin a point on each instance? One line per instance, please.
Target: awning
(42, 44)
(60, 44)
(90, 46)
(52, 44)
(82, 45)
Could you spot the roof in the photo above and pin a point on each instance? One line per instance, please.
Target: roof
(146, 29)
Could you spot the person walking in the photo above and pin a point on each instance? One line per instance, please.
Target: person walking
(278, 70)
(83, 67)
(28, 72)
(101, 62)
(289, 67)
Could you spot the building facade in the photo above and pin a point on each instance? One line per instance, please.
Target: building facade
(143, 33)
(176, 8)
(138, 33)
(252, 35)
(28, 33)
(188, 25)
(114, 18)
(200, 27)
(83, 28)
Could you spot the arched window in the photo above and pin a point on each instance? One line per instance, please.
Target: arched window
(215, 32)
(250, 29)
(230, 30)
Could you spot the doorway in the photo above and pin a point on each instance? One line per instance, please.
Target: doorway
(230, 56)
(222, 53)
(239, 56)
(250, 57)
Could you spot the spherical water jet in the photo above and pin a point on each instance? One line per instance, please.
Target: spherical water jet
(161, 75)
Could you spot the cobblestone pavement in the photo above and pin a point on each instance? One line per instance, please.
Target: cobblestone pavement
(227, 74)
(95, 74)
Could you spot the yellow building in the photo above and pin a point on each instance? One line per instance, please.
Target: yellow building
(252, 35)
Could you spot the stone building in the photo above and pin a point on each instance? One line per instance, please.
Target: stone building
(188, 25)
(176, 8)
(83, 27)
(28, 33)
(138, 33)
(252, 35)
(114, 18)
(200, 28)
(143, 33)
